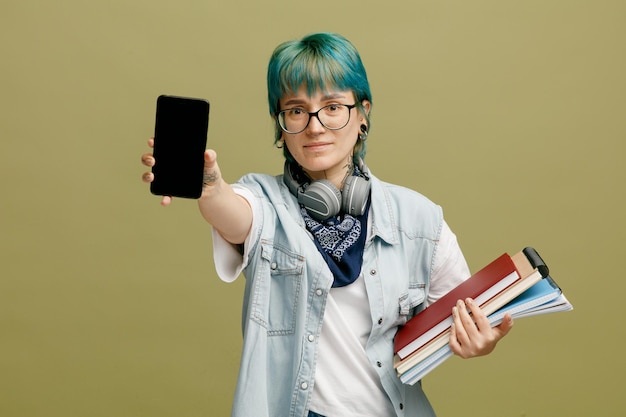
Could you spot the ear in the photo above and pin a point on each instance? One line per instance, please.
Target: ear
(366, 106)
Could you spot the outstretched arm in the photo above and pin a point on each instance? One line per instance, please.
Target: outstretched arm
(229, 213)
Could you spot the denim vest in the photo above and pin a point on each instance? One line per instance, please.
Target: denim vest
(287, 283)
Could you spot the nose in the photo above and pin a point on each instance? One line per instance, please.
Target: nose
(315, 126)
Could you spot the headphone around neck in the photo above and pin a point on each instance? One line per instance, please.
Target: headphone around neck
(322, 199)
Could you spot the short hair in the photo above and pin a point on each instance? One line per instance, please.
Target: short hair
(320, 61)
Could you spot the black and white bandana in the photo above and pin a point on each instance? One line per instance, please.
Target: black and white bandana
(341, 240)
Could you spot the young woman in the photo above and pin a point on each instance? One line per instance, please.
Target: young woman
(335, 260)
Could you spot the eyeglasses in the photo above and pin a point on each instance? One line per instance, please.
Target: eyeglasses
(332, 117)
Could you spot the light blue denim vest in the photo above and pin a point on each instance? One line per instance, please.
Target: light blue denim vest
(287, 283)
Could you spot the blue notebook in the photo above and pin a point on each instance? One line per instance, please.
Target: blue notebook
(534, 301)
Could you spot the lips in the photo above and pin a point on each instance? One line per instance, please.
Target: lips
(318, 146)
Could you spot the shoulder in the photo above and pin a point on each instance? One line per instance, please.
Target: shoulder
(402, 198)
(395, 207)
(400, 192)
(271, 195)
(264, 186)
(256, 180)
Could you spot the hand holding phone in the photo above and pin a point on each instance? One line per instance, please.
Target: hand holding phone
(180, 137)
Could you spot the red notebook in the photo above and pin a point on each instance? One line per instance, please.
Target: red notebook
(437, 317)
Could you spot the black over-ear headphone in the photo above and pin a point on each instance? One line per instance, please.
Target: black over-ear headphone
(322, 199)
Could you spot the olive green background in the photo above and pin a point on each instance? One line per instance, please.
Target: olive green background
(510, 114)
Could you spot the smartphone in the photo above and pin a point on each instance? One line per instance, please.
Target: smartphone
(180, 136)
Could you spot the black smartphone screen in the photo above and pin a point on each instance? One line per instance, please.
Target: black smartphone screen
(180, 137)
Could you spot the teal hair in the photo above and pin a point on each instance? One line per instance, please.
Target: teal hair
(321, 61)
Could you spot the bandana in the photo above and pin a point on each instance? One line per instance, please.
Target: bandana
(341, 241)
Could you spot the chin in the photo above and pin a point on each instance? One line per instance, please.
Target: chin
(316, 163)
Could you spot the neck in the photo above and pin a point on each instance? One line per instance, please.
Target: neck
(336, 176)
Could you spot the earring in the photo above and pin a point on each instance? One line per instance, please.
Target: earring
(363, 134)
(279, 144)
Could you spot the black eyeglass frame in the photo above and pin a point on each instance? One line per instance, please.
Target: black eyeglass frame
(316, 114)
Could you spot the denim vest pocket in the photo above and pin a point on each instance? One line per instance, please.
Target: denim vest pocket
(411, 299)
(274, 303)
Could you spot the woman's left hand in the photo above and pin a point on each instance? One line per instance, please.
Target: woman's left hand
(471, 334)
